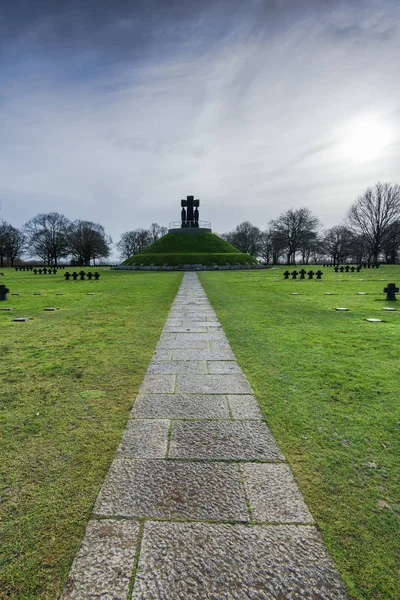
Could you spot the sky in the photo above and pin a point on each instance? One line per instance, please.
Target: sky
(114, 111)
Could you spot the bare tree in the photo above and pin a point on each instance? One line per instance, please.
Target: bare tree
(87, 241)
(272, 247)
(310, 246)
(133, 242)
(13, 245)
(338, 243)
(156, 231)
(3, 241)
(391, 245)
(47, 236)
(295, 227)
(246, 237)
(266, 248)
(373, 214)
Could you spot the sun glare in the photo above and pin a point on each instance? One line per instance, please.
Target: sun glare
(365, 140)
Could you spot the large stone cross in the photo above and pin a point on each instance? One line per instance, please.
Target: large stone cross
(190, 217)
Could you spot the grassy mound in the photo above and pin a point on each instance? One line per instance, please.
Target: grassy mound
(185, 248)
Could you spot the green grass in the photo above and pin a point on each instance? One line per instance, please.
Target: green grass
(69, 379)
(328, 384)
(186, 248)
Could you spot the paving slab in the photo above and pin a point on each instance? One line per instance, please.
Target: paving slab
(145, 439)
(222, 367)
(167, 337)
(214, 335)
(273, 494)
(172, 489)
(205, 354)
(180, 406)
(219, 344)
(183, 561)
(178, 366)
(223, 440)
(175, 344)
(245, 407)
(186, 329)
(103, 566)
(162, 384)
(213, 384)
(202, 323)
(162, 355)
(174, 322)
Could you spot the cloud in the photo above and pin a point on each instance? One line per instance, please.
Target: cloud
(241, 104)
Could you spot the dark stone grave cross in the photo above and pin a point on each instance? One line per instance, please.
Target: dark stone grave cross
(294, 274)
(90, 276)
(347, 268)
(352, 269)
(82, 275)
(286, 274)
(319, 274)
(391, 290)
(67, 276)
(34, 271)
(336, 269)
(341, 269)
(310, 274)
(96, 276)
(74, 276)
(44, 271)
(40, 271)
(302, 273)
(3, 292)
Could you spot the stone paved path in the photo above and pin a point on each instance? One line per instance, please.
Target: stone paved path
(199, 501)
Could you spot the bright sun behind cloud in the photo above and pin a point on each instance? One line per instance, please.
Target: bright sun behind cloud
(365, 139)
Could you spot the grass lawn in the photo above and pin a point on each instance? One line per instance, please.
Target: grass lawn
(328, 384)
(69, 379)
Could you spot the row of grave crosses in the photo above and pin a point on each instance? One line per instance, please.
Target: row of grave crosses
(347, 268)
(190, 217)
(45, 271)
(303, 274)
(36, 270)
(81, 276)
(353, 267)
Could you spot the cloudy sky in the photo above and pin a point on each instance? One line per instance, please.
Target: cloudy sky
(112, 111)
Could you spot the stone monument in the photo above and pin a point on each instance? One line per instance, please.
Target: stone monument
(189, 222)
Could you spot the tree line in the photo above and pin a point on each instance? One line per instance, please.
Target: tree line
(371, 232)
(51, 238)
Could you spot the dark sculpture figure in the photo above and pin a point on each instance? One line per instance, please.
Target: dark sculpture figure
(189, 217)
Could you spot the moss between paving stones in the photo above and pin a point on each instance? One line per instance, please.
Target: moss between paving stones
(185, 248)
